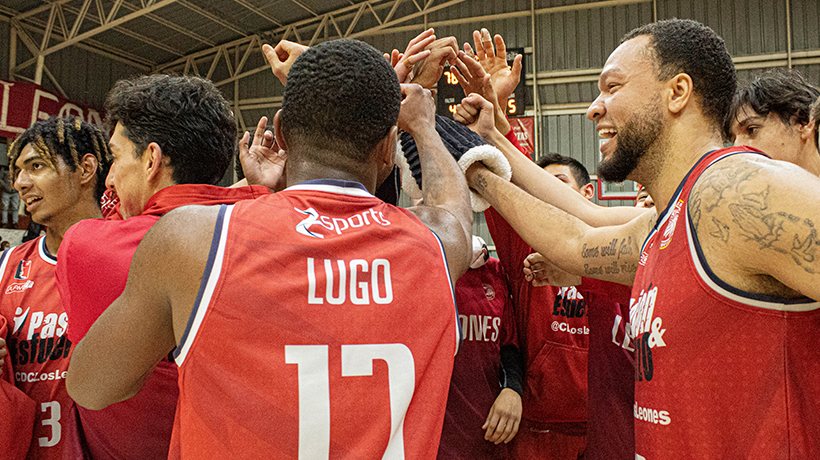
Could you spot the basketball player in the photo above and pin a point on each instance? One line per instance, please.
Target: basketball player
(726, 280)
(293, 339)
(173, 139)
(59, 170)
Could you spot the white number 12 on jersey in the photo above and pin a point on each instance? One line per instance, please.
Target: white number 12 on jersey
(357, 360)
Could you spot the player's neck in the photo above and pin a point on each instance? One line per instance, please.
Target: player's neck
(674, 158)
(811, 159)
(301, 171)
(55, 230)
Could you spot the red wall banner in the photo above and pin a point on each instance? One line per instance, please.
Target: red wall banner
(22, 104)
(524, 131)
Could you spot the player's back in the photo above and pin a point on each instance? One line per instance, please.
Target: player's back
(324, 328)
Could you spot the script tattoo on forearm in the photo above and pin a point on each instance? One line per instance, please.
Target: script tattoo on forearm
(617, 248)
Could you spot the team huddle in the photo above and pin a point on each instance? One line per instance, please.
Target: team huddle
(301, 314)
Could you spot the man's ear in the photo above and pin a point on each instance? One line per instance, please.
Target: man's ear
(588, 191)
(386, 149)
(155, 161)
(278, 134)
(88, 169)
(678, 92)
(807, 131)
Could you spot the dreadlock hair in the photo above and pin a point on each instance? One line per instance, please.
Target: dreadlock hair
(69, 138)
(579, 172)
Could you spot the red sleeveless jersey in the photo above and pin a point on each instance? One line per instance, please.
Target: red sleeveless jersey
(38, 346)
(325, 327)
(718, 375)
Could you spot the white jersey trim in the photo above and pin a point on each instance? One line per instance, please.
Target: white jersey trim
(200, 308)
(6, 256)
(353, 191)
(778, 306)
(41, 247)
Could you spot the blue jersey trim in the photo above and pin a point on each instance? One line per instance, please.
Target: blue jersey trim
(205, 277)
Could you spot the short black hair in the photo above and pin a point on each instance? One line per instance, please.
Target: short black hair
(186, 116)
(786, 93)
(69, 138)
(342, 96)
(579, 172)
(686, 46)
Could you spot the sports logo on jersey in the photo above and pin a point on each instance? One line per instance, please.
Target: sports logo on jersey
(19, 319)
(19, 287)
(489, 292)
(21, 273)
(303, 227)
(647, 331)
(669, 231)
(338, 225)
(569, 303)
(23, 270)
(38, 337)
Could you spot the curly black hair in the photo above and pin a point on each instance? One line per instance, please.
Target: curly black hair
(187, 117)
(815, 115)
(341, 96)
(686, 46)
(579, 172)
(786, 93)
(69, 138)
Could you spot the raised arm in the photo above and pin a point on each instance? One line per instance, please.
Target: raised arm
(446, 209)
(140, 327)
(542, 184)
(606, 253)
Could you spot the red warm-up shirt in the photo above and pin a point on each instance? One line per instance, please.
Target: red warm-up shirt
(95, 256)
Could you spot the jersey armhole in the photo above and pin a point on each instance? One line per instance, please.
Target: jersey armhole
(210, 278)
(459, 335)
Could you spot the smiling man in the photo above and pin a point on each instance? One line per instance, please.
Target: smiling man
(726, 282)
(58, 166)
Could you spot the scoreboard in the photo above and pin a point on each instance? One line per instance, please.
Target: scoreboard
(450, 93)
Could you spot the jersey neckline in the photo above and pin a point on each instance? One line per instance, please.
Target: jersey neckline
(343, 187)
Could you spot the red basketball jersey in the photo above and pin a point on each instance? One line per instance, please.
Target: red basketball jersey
(325, 327)
(39, 348)
(718, 375)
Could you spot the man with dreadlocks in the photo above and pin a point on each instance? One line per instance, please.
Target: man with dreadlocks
(58, 166)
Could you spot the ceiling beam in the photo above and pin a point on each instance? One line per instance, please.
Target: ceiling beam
(110, 25)
(213, 17)
(259, 12)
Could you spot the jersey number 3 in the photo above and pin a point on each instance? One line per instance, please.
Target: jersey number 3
(357, 360)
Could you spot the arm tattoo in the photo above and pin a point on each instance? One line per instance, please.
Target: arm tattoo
(752, 216)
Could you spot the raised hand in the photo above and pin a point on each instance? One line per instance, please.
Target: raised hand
(282, 57)
(263, 162)
(418, 110)
(477, 114)
(474, 79)
(494, 61)
(403, 63)
(428, 70)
